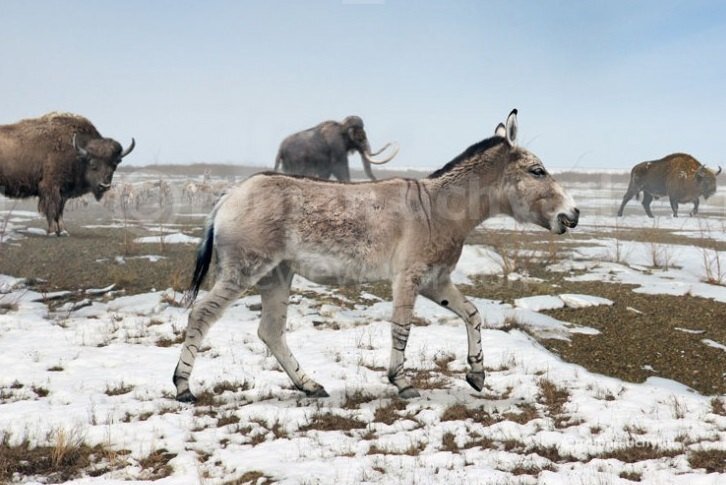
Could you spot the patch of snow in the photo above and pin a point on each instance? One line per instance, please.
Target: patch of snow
(175, 238)
(714, 344)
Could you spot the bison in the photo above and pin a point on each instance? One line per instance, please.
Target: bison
(56, 157)
(679, 176)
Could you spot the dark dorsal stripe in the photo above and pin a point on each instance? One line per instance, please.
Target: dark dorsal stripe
(473, 150)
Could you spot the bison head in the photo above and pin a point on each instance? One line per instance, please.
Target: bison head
(706, 179)
(102, 156)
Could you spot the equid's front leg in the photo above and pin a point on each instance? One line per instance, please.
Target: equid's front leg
(204, 313)
(404, 297)
(448, 296)
(275, 292)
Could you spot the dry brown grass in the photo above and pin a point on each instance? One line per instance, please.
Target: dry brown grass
(554, 399)
(713, 461)
(633, 453)
(118, 389)
(389, 413)
(332, 422)
(460, 412)
(252, 477)
(65, 457)
(156, 465)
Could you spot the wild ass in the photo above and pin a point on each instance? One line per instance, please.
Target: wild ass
(410, 232)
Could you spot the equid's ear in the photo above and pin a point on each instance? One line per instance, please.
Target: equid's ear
(501, 130)
(511, 128)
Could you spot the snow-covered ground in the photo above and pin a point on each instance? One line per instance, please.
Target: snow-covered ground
(101, 370)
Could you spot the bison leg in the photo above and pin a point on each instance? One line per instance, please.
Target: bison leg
(50, 204)
(674, 206)
(62, 231)
(448, 296)
(629, 194)
(695, 207)
(275, 292)
(647, 199)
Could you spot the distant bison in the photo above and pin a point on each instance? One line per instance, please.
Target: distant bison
(56, 157)
(679, 176)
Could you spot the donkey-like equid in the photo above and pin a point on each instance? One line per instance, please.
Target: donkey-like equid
(410, 232)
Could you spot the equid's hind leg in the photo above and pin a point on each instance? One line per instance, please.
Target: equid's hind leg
(448, 296)
(204, 313)
(404, 297)
(275, 292)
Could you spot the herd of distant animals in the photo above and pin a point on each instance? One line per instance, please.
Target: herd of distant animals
(275, 225)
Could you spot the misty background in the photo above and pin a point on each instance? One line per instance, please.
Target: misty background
(597, 84)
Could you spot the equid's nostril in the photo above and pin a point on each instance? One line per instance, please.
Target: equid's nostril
(577, 212)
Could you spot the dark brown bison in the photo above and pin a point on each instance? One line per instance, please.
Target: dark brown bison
(679, 176)
(56, 157)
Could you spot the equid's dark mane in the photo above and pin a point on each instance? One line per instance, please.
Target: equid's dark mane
(473, 150)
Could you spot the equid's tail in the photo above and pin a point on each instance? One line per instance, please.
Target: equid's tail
(204, 256)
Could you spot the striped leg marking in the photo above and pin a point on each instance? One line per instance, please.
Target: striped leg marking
(449, 296)
(203, 315)
(404, 297)
(275, 292)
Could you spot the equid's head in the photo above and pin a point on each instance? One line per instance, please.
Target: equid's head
(526, 190)
(101, 156)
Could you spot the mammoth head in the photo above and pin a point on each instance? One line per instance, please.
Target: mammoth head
(354, 133)
(706, 179)
(101, 156)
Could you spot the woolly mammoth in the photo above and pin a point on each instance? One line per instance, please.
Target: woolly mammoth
(323, 150)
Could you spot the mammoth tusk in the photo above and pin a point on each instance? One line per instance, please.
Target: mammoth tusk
(129, 149)
(379, 151)
(369, 156)
(81, 151)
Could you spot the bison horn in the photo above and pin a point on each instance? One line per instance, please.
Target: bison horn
(81, 151)
(718, 171)
(129, 149)
(369, 156)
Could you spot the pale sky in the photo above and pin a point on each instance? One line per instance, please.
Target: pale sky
(598, 84)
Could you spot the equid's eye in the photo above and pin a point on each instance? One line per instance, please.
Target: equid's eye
(537, 172)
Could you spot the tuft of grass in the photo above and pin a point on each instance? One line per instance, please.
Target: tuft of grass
(156, 465)
(388, 414)
(713, 461)
(554, 399)
(633, 476)
(226, 420)
(40, 391)
(448, 443)
(63, 458)
(530, 469)
(55, 368)
(717, 406)
(118, 389)
(527, 412)
(459, 412)
(332, 422)
(634, 453)
(252, 477)
(354, 400)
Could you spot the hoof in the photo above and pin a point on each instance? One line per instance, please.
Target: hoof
(475, 380)
(408, 393)
(186, 396)
(319, 392)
